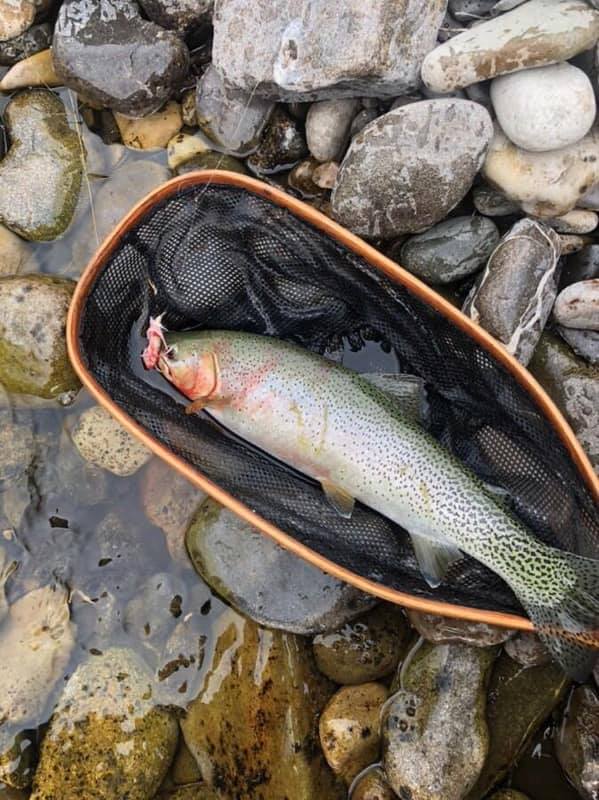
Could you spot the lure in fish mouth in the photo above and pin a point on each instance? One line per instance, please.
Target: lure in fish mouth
(351, 436)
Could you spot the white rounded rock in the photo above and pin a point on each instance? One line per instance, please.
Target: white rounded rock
(544, 108)
(577, 306)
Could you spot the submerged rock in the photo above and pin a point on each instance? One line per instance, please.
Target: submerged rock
(545, 108)
(406, 170)
(282, 145)
(33, 40)
(519, 700)
(112, 57)
(302, 50)
(536, 33)
(211, 160)
(528, 650)
(435, 737)
(513, 297)
(366, 649)
(33, 355)
(584, 343)
(574, 387)
(443, 630)
(450, 250)
(106, 739)
(103, 441)
(17, 756)
(544, 185)
(178, 15)
(233, 120)
(264, 581)
(41, 173)
(576, 744)
(152, 132)
(349, 728)
(253, 723)
(577, 306)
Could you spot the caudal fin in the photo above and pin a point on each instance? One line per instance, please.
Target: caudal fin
(568, 625)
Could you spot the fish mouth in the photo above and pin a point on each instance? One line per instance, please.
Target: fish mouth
(156, 347)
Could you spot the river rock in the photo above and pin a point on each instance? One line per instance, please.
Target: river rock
(519, 700)
(435, 737)
(121, 191)
(372, 786)
(544, 108)
(253, 723)
(16, 254)
(211, 160)
(152, 132)
(574, 387)
(179, 15)
(547, 184)
(233, 120)
(584, 343)
(99, 438)
(443, 630)
(327, 127)
(37, 70)
(450, 250)
(185, 146)
(264, 581)
(16, 16)
(536, 33)
(409, 168)
(349, 728)
(470, 10)
(325, 175)
(282, 145)
(17, 757)
(527, 649)
(112, 57)
(366, 649)
(576, 744)
(33, 354)
(170, 502)
(513, 297)
(577, 306)
(300, 179)
(582, 266)
(577, 221)
(491, 203)
(184, 768)
(33, 40)
(509, 794)
(302, 50)
(107, 739)
(41, 173)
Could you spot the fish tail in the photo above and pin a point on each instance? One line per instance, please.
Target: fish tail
(567, 619)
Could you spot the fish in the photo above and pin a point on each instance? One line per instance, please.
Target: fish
(338, 428)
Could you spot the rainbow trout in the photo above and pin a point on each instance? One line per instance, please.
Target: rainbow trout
(338, 428)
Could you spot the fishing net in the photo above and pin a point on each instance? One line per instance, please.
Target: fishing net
(215, 256)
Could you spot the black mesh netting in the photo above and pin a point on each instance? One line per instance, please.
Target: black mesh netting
(220, 257)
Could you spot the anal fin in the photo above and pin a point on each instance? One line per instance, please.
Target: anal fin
(342, 501)
(434, 558)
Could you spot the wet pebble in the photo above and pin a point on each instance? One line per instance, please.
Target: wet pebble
(282, 145)
(112, 57)
(16, 16)
(545, 185)
(300, 179)
(579, 221)
(372, 786)
(33, 355)
(267, 698)
(443, 630)
(152, 132)
(103, 441)
(584, 343)
(491, 203)
(467, 11)
(576, 744)
(185, 146)
(182, 16)
(435, 737)
(349, 728)
(574, 387)
(535, 33)
(264, 581)
(41, 173)
(33, 40)
(366, 649)
(36, 70)
(233, 120)
(211, 160)
(106, 738)
(327, 127)
(544, 108)
(298, 50)
(581, 266)
(527, 649)
(513, 297)
(577, 306)
(450, 250)
(406, 170)
(325, 175)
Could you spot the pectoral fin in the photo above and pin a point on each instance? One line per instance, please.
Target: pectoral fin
(342, 501)
(197, 405)
(433, 558)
